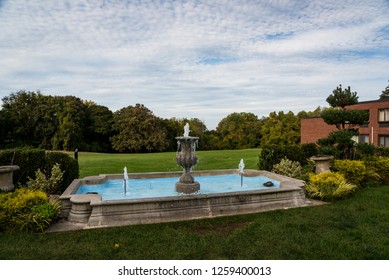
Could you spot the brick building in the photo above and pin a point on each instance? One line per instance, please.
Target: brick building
(375, 132)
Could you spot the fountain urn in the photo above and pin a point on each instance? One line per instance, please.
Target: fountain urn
(186, 158)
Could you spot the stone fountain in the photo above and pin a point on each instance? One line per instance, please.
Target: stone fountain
(186, 158)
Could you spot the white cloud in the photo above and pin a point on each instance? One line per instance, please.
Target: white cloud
(203, 59)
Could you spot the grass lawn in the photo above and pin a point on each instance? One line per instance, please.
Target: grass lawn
(96, 163)
(356, 228)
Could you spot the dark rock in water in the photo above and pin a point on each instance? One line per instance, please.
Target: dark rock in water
(92, 193)
(268, 184)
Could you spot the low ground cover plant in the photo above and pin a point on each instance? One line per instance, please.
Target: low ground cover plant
(27, 210)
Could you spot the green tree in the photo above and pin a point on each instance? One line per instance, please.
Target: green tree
(72, 119)
(5, 129)
(385, 93)
(340, 143)
(99, 127)
(21, 107)
(175, 127)
(239, 131)
(281, 129)
(342, 98)
(138, 130)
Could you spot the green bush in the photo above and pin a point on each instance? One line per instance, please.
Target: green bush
(48, 185)
(288, 168)
(273, 154)
(329, 186)
(67, 164)
(38, 219)
(364, 150)
(378, 166)
(383, 151)
(27, 210)
(353, 170)
(29, 160)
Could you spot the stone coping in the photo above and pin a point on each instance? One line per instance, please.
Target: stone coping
(8, 168)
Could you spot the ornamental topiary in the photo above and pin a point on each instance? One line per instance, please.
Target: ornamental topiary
(329, 186)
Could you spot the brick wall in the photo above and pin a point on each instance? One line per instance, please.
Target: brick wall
(313, 129)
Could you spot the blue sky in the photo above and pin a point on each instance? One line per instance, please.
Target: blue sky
(198, 59)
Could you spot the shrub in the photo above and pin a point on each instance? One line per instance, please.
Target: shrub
(39, 218)
(309, 150)
(273, 154)
(28, 210)
(288, 168)
(364, 150)
(48, 185)
(353, 170)
(378, 166)
(29, 160)
(329, 186)
(68, 165)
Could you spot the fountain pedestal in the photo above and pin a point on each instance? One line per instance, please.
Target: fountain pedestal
(186, 158)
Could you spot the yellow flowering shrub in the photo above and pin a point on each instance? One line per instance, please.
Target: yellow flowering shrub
(353, 170)
(27, 209)
(329, 186)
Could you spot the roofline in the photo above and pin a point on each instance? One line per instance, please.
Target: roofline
(382, 99)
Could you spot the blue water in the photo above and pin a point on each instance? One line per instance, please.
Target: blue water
(165, 187)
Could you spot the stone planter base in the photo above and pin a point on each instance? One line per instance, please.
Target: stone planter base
(6, 179)
(322, 163)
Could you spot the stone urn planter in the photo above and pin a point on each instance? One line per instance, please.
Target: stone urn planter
(6, 179)
(322, 163)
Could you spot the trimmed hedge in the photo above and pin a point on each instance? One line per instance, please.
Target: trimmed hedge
(273, 154)
(30, 160)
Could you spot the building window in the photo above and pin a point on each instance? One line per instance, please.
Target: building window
(364, 138)
(361, 138)
(383, 115)
(384, 140)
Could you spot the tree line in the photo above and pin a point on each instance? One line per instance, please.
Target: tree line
(33, 119)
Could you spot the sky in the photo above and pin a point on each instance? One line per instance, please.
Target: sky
(200, 59)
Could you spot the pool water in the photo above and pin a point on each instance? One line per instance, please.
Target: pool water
(165, 187)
